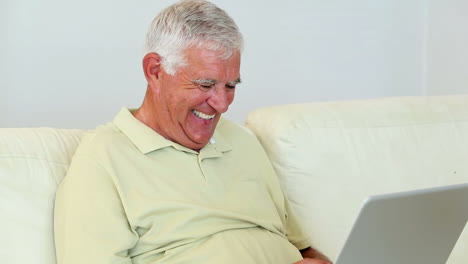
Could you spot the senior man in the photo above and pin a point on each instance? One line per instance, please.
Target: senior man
(172, 182)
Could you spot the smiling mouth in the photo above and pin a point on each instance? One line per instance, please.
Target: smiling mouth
(202, 115)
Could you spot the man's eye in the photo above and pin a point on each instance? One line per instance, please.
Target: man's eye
(206, 86)
(230, 86)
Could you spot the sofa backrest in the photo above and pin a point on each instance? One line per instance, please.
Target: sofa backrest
(33, 161)
(330, 156)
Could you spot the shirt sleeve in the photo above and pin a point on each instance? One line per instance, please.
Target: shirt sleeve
(90, 222)
(294, 231)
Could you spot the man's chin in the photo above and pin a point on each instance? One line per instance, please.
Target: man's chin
(195, 145)
(199, 136)
(201, 140)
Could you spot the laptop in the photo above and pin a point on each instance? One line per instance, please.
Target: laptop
(414, 227)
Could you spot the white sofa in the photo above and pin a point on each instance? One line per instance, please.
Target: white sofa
(329, 157)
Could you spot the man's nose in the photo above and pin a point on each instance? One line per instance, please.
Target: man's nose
(220, 99)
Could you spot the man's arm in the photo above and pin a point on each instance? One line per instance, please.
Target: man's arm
(90, 224)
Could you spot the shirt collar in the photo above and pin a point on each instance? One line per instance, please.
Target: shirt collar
(142, 136)
(147, 140)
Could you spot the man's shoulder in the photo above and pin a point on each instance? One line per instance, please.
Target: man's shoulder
(226, 125)
(230, 129)
(240, 137)
(102, 139)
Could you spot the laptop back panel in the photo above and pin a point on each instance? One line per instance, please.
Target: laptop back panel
(416, 227)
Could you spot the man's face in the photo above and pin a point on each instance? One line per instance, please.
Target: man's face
(189, 104)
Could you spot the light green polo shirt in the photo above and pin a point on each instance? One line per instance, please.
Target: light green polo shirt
(131, 196)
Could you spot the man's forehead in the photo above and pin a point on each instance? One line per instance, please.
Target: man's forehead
(204, 64)
(195, 74)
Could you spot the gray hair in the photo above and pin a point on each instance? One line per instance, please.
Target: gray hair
(191, 23)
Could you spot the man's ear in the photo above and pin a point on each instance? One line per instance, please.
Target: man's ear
(152, 68)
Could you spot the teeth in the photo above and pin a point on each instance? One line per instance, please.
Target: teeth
(202, 115)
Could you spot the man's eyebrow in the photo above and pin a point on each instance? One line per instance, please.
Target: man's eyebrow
(213, 82)
(204, 82)
(235, 82)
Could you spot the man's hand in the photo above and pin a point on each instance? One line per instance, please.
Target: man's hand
(313, 261)
(313, 256)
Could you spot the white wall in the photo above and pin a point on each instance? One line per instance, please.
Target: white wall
(447, 47)
(328, 50)
(73, 64)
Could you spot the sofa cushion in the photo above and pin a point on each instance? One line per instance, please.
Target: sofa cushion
(33, 161)
(330, 156)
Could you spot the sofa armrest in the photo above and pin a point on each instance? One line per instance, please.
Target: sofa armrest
(33, 161)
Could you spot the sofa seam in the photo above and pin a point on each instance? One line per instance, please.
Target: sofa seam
(34, 158)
